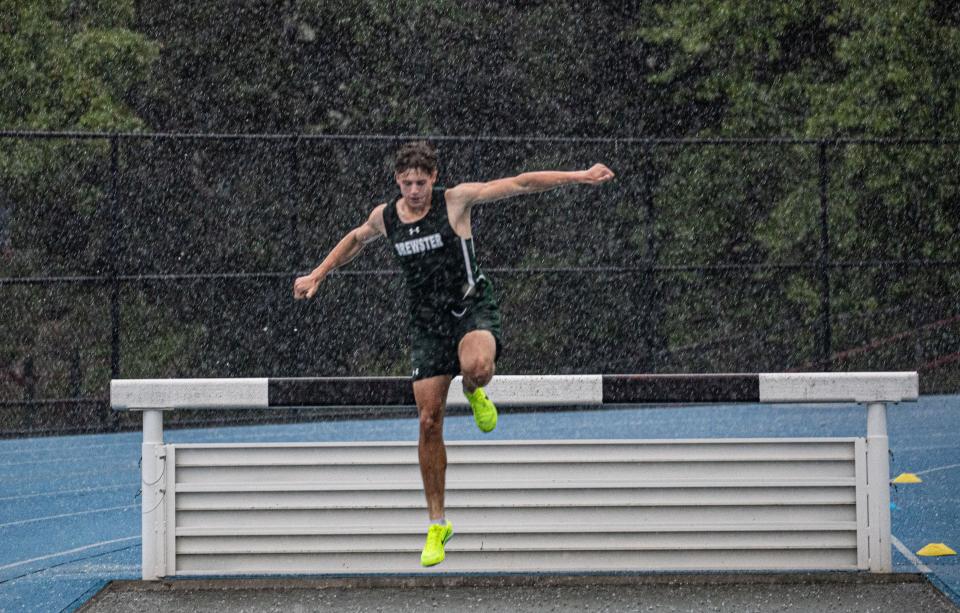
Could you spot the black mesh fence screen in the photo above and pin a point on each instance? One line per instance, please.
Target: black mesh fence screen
(150, 256)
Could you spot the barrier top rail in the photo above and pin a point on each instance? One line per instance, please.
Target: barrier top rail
(518, 390)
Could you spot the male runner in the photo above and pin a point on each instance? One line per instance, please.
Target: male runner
(454, 320)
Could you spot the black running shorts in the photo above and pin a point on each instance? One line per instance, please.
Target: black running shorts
(435, 336)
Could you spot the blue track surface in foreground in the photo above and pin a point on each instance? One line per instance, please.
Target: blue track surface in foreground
(70, 515)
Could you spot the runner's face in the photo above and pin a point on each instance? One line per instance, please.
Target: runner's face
(416, 186)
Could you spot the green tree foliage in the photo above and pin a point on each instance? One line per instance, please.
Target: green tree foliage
(819, 70)
(373, 66)
(63, 66)
(70, 65)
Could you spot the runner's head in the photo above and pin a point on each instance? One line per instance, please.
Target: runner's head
(419, 155)
(416, 171)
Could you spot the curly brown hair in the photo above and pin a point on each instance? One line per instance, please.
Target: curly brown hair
(419, 155)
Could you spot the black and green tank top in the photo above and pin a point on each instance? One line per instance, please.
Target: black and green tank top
(440, 268)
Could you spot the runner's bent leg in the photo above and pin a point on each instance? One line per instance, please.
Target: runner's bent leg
(431, 397)
(478, 352)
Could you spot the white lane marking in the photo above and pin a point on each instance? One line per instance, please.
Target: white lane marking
(62, 515)
(32, 462)
(936, 468)
(60, 475)
(54, 448)
(107, 459)
(61, 492)
(69, 551)
(923, 568)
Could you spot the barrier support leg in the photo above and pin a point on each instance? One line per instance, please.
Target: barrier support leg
(153, 520)
(878, 488)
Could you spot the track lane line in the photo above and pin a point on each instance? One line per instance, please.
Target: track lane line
(923, 568)
(69, 551)
(936, 468)
(63, 492)
(62, 515)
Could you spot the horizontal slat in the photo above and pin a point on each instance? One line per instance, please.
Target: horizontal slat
(412, 499)
(554, 484)
(417, 528)
(536, 443)
(533, 561)
(614, 541)
(406, 454)
(663, 472)
(496, 517)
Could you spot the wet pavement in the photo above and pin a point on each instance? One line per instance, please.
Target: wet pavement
(813, 593)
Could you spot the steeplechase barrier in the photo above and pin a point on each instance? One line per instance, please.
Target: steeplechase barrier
(519, 506)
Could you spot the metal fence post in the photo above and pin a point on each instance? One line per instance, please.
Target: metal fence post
(29, 380)
(114, 268)
(916, 254)
(651, 323)
(293, 188)
(824, 262)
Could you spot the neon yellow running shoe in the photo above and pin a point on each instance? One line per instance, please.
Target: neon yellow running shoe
(484, 411)
(437, 537)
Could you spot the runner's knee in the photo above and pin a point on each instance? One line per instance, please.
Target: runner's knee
(478, 369)
(431, 422)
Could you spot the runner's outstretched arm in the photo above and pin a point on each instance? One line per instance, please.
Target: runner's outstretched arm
(468, 194)
(347, 249)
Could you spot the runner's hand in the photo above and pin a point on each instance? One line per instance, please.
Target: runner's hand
(305, 287)
(597, 174)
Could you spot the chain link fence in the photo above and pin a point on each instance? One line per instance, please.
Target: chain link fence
(161, 255)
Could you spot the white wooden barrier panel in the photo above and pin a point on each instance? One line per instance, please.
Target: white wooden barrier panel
(521, 506)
